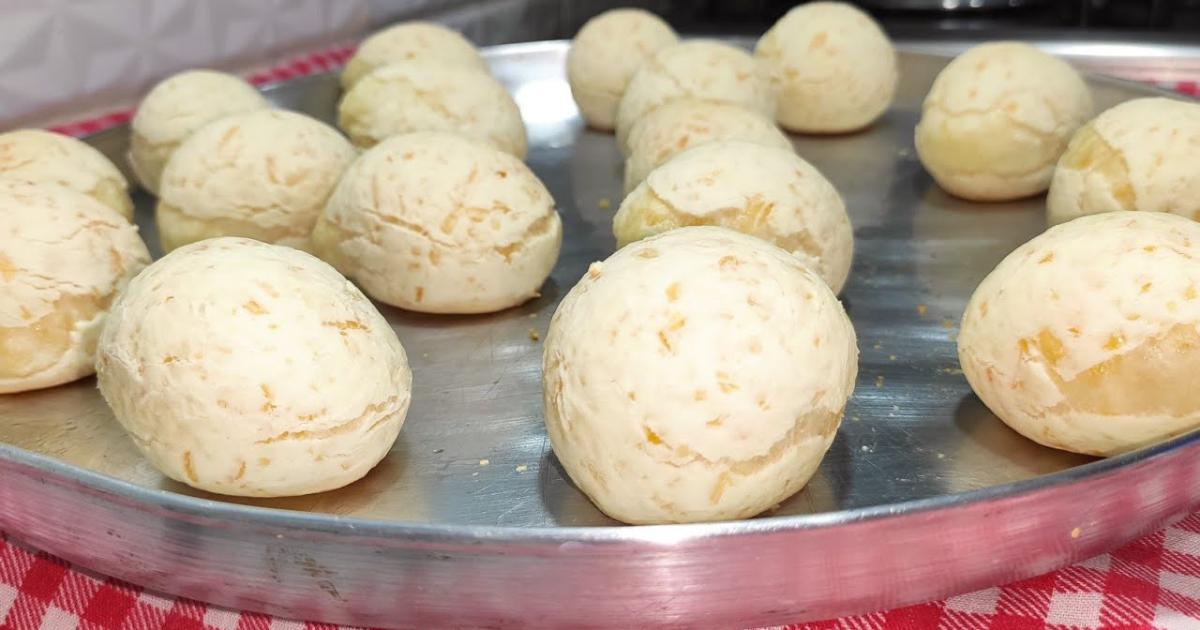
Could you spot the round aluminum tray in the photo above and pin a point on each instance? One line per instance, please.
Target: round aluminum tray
(471, 522)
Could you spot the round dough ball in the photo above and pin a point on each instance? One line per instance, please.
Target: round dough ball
(762, 191)
(835, 69)
(436, 223)
(606, 53)
(263, 175)
(63, 257)
(423, 42)
(678, 125)
(997, 119)
(1139, 155)
(1087, 338)
(38, 156)
(251, 369)
(699, 69)
(698, 375)
(175, 109)
(406, 97)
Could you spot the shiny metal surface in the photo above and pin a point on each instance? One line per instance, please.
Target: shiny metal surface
(470, 521)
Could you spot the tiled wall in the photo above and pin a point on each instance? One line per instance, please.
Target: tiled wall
(66, 58)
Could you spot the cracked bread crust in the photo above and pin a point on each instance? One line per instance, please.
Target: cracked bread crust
(1140, 155)
(44, 157)
(436, 223)
(767, 192)
(424, 42)
(685, 123)
(63, 257)
(698, 69)
(697, 375)
(175, 109)
(262, 175)
(1087, 338)
(251, 369)
(997, 119)
(408, 97)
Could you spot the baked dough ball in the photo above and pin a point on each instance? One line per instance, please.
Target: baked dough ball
(604, 55)
(1139, 155)
(762, 191)
(678, 125)
(436, 223)
(63, 256)
(407, 97)
(263, 175)
(835, 69)
(423, 42)
(699, 69)
(698, 375)
(997, 119)
(251, 369)
(42, 157)
(175, 109)
(1087, 338)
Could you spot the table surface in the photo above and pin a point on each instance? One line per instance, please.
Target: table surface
(1151, 582)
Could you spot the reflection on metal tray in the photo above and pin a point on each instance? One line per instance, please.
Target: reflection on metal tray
(470, 520)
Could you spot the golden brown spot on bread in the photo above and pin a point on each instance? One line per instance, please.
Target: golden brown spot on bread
(632, 396)
(1047, 258)
(223, 404)
(1146, 287)
(699, 394)
(1088, 151)
(818, 41)
(666, 343)
(1115, 341)
(715, 422)
(264, 461)
(1190, 292)
(420, 293)
(673, 292)
(169, 359)
(728, 262)
(269, 405)
(651, 436)
(241, 471)
(346, 324)
(648, 252)
(1149, 248)
(723, 482)
(188, 469)
(254, 308)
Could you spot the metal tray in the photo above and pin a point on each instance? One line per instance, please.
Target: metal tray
(471, 522)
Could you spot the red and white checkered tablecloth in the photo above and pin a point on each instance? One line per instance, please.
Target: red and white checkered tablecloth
(1153, 582)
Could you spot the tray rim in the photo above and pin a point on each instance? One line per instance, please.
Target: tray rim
(618, 533)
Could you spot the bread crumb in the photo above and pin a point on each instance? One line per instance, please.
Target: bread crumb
(891, 357)
(1076, 533)
(604, 203)
(866, 449)
(424, 355)
(533, 316)
(941, 456)
(922, 309)
(484, 462)
(533, 335)
(522, 468)
(877, 346)
(947, 323)
(878, 381)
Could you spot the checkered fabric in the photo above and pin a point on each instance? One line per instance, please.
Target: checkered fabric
(1153, 582)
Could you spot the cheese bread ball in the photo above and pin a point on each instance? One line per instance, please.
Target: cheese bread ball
(407, 97)
(424, 42)
(263, 175)
(678, 125)
(175, 109)
(1087, 338)
(436, 223)
(698, 375)
(699, 69)
(1139, 155)
(254, 370)
(42, 157)
(604, 55)
(762, 191)
(63, 257)
(997, 119)
(835, 69)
